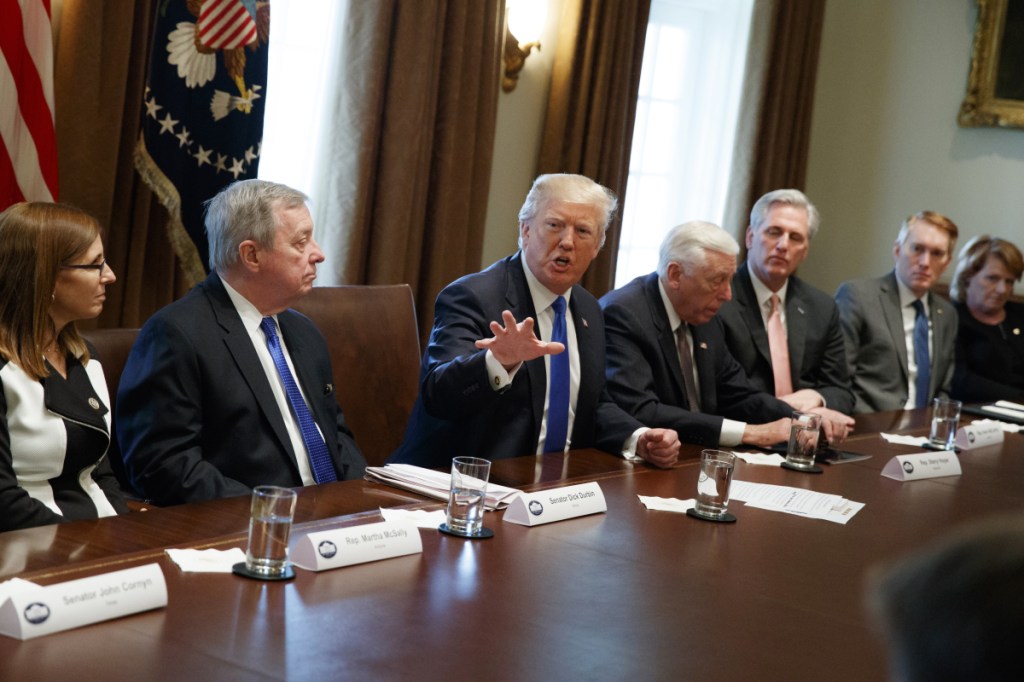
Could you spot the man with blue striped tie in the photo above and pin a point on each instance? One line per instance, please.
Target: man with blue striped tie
(228, 388)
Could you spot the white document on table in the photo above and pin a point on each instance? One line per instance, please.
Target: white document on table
(798, 501)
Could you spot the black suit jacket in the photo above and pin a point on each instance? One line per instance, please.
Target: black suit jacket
(196, 417)
(817, 354)
(457, 411)
(645, 378)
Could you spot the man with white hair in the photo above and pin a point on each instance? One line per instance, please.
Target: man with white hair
(668, 363)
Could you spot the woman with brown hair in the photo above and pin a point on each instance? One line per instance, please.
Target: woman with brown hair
(990, 341)
(55, 425)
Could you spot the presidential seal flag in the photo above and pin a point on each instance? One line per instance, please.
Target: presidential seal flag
(202, 124)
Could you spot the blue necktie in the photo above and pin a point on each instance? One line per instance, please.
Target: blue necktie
(558, 395)
(924, 368)
(319, 457)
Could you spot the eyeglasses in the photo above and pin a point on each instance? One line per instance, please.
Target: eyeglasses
(98, 267)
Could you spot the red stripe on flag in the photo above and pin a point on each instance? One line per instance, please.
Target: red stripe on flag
(221, 30)
(31, 99)
(10, 193)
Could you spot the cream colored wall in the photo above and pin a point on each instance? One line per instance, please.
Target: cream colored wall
(885, 141)
(517, 143)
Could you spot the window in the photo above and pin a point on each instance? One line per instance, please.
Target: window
(690, 88)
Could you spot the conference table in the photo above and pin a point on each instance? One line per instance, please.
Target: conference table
(626, 594)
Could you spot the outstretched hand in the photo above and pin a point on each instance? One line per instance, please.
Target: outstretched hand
(515, 342)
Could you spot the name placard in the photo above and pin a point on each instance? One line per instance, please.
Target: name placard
(924, 465)
(37, 611)
(557, 504)
(356, 545)
(978, 436)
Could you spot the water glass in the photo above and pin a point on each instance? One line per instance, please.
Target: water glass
(270, 524)
(803, 439)
(467, 494)
(945, 419)
(716, 469)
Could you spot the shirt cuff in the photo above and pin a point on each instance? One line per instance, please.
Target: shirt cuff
(500, 379)
(732, 432)
(629, 447)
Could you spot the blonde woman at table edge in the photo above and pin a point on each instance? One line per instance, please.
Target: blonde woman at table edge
(55, 429)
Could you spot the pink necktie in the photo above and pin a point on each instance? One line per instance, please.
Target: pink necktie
(779, 350)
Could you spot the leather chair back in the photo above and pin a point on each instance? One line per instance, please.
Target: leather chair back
(375, 353)
(112, 348)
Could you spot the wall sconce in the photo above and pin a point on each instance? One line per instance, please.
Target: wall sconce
(522, 33)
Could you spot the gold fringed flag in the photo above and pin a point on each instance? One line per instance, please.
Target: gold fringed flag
(202, 123)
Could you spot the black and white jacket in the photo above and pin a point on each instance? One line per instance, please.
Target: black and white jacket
(54, 437)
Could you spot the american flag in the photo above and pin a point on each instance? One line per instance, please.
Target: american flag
(28, 145)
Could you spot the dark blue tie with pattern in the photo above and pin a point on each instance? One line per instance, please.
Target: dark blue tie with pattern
(319, 457)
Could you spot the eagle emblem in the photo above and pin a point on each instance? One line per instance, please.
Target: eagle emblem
(228, 26)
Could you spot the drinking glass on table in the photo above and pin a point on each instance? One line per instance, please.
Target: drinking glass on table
(466, 497)
(270, 524)
(803, 440)
(945, 419)
(716, 467)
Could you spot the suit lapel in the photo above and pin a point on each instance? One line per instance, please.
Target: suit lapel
(889, 302)
(519, 300)
(666, 336)
(305, 374)
(796, 330)
(751, 312)
(239, 345)
(704, 363)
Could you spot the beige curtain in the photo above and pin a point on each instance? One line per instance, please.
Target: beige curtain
(412, 161)
(774, 129)
(101, 60)
(592, 105)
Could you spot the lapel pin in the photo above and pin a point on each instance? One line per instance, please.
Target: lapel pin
(585, 325)
(801, 310)
(1016, 331)
(94, 404)
(703, 345)
(328, 389)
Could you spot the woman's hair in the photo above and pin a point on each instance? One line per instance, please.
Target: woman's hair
(975, 254)
(36, 239)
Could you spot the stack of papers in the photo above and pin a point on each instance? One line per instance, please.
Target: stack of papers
(1005, 426)
(797, 501)
(433, 483)
(899, 439)
(1007, 409)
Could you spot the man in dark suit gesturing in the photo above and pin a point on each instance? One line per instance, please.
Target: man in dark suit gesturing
(515, 361)
(668, 363)
(797, 351)
(227, 388)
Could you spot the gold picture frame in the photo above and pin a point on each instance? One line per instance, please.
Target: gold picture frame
(995, 87)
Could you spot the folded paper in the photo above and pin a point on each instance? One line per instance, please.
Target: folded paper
(34, 611)
(557, 504)
(923, 465)
(978, 434)
(356, 545)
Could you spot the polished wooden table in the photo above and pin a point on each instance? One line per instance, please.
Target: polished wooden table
(627, 594)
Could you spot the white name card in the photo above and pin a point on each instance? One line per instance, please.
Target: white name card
(978, 436)
(558, 504)
(923, 465)
(37, 610)
(356, 545)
